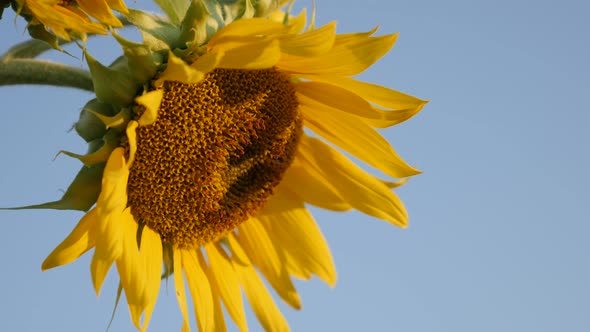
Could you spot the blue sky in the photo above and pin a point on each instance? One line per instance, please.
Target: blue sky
(498, 236)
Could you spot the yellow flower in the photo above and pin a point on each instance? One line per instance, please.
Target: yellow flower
(72, 17)
(200, 164)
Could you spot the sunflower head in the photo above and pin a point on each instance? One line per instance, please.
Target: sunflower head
(201, 156)
(213, 156)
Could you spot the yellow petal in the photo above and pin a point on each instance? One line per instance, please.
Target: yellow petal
(311, 43)
(118, 5)
(226, 281)
(132, 141)
(62, 20)
(180, 290)
(151, 101)
(108, 249)
(130, 268)
(311, 187)
(315, 94)
(390, 118)
(344, 38)
(201, 290)
(251, 55)
(295, 233)
(100, 10)
(296, 24)
(81, 239)
(246, 28)
(219, 314)
(332, 97)
(395, 184)
(179, 71)
(346, 59)
(360, 189)
(113, 195)
(207, 62)
(358, 139)
(276, 203)
(261, 251)
(109, 208)
(377, 94)
(151, 258)
(261, 301)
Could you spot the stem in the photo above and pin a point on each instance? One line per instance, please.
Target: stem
(26, 71)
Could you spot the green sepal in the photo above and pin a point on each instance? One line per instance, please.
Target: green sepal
(143, 64)
(38, 31)
(193, 29)
(153, 42)
(89, 125)
(81, 194)
(168, 258)
(239, 10)
(99, 149)
(111, 86)
(27, 50)
(175, 9)
(155, 26)
(264, 7)
(217, 15)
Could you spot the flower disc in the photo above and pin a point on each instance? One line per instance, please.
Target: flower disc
(214, 154)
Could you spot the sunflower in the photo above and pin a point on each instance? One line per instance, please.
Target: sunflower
(66, 18)
(206, 143)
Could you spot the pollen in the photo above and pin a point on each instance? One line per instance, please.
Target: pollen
(214, 154)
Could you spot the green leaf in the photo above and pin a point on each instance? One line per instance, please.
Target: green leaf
(175, 9)
(81, 194)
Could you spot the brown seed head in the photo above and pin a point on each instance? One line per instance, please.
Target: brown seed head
(214, 154)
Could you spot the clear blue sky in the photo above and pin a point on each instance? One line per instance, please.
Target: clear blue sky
(499, 234)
